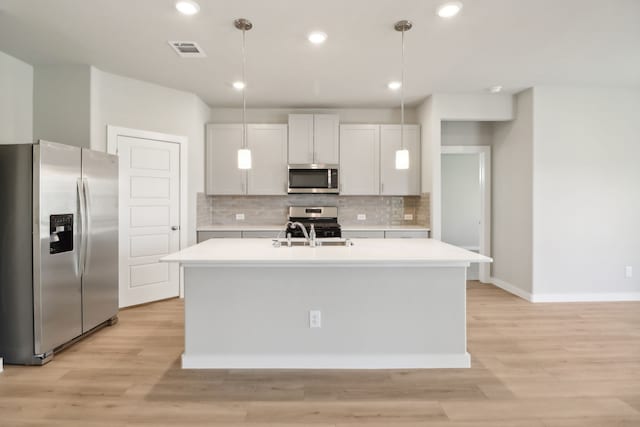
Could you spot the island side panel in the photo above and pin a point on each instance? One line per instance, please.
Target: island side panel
(372, 317)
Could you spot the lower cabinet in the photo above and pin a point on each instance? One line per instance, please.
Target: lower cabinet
(206, 235)
(406, 234)
(362, 234)
(347, 234)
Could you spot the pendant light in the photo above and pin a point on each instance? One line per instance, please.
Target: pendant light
(244, 154)
(402, 155)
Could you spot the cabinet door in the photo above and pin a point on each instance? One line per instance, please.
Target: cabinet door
(326, 138)
(401, 182)
(359, 159)
(268, 174)
(300, 138)
(206, 235)
(223, 175)
(406, 234)
(362, 234)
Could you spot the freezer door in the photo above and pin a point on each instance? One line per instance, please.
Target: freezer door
(57, 296)
(100, 266)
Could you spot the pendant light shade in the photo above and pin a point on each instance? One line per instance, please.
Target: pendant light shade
(402, 159)
(402, 155)
(244, 153)
(244, 158)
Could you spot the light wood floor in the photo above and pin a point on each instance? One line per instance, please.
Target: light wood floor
(536, 365)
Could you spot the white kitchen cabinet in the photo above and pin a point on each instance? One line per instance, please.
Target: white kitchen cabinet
(206, 235)
(268, 175)
(268, 144)
(399, 182)
(314, 138)
(222, 173)
(406, 234)
(359, 160)
(363, 234)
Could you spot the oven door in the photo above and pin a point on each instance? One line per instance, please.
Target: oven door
(313, 179)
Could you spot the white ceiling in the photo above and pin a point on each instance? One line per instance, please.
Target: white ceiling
(513, 43)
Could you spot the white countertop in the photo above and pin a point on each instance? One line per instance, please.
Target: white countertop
(364, 252)
(278, 227)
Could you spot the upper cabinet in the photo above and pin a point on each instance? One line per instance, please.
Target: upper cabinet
(367, 160)
(222, 173)
(268, 175)
(399, 182)
(314, 138)
(268, 144)
(359, 160)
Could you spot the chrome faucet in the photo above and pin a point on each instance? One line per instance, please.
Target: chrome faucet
(300, 226)
(312, 237)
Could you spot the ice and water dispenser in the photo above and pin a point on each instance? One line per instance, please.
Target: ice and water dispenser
(60, 233)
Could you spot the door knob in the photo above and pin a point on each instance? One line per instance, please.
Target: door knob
(175, 227)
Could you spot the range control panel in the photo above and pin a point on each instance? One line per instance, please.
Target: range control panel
(60, 233)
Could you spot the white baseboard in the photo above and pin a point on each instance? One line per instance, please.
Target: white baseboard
(588, 297)
(576, 297)
(511, 289)
(327, 361)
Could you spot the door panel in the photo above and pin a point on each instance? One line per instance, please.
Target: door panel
(326, 138)
(149, 210)
(300, 138)
(268, 144)
(223, 175)
(57, 283)
(399, 182)
(360, 159)
(100, 274)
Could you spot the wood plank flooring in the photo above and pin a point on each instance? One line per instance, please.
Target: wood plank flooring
(533, 365)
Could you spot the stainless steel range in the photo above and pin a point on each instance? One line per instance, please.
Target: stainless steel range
(324, 221)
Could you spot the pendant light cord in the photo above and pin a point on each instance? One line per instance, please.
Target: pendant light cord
(402, 98)
(244, 92)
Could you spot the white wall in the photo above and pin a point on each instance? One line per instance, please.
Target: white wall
(62, 110)
(16, 100)
(586, 193)
(451, 107)
(467, 133)
(512, 198)
(121, 101)
(281, 115)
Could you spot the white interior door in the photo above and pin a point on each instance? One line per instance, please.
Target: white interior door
(149, 219)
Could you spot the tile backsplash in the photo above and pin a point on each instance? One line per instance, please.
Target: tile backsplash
(258, 210)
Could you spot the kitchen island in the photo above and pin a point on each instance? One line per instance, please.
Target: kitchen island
(379, 304)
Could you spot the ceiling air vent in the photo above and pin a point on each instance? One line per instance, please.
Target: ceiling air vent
(188, 49)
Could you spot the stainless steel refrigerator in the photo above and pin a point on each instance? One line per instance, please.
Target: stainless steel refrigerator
(58, 247)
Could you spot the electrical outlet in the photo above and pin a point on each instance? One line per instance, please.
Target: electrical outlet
(239, 217)
(628, 272)
(362, 217)
(315, 319)
(408, 217)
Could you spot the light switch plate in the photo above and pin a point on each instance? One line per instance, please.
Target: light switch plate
(408, 217)
(239, 217)
(362, 217)
(628, 272)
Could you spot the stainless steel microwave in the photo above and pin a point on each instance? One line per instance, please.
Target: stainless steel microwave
(313, 178)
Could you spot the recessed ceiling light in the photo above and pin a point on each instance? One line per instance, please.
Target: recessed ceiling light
(449, 9)
(239, 85)
(187, 7)
(317, 37)
(495, 89)
(394, 85)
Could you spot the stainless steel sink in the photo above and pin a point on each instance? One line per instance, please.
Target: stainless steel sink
(284, 243)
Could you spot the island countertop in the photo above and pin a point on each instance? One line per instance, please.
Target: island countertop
(364, 252)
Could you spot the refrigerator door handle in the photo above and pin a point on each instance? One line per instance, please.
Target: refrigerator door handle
(86, 220)
(82, 224)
